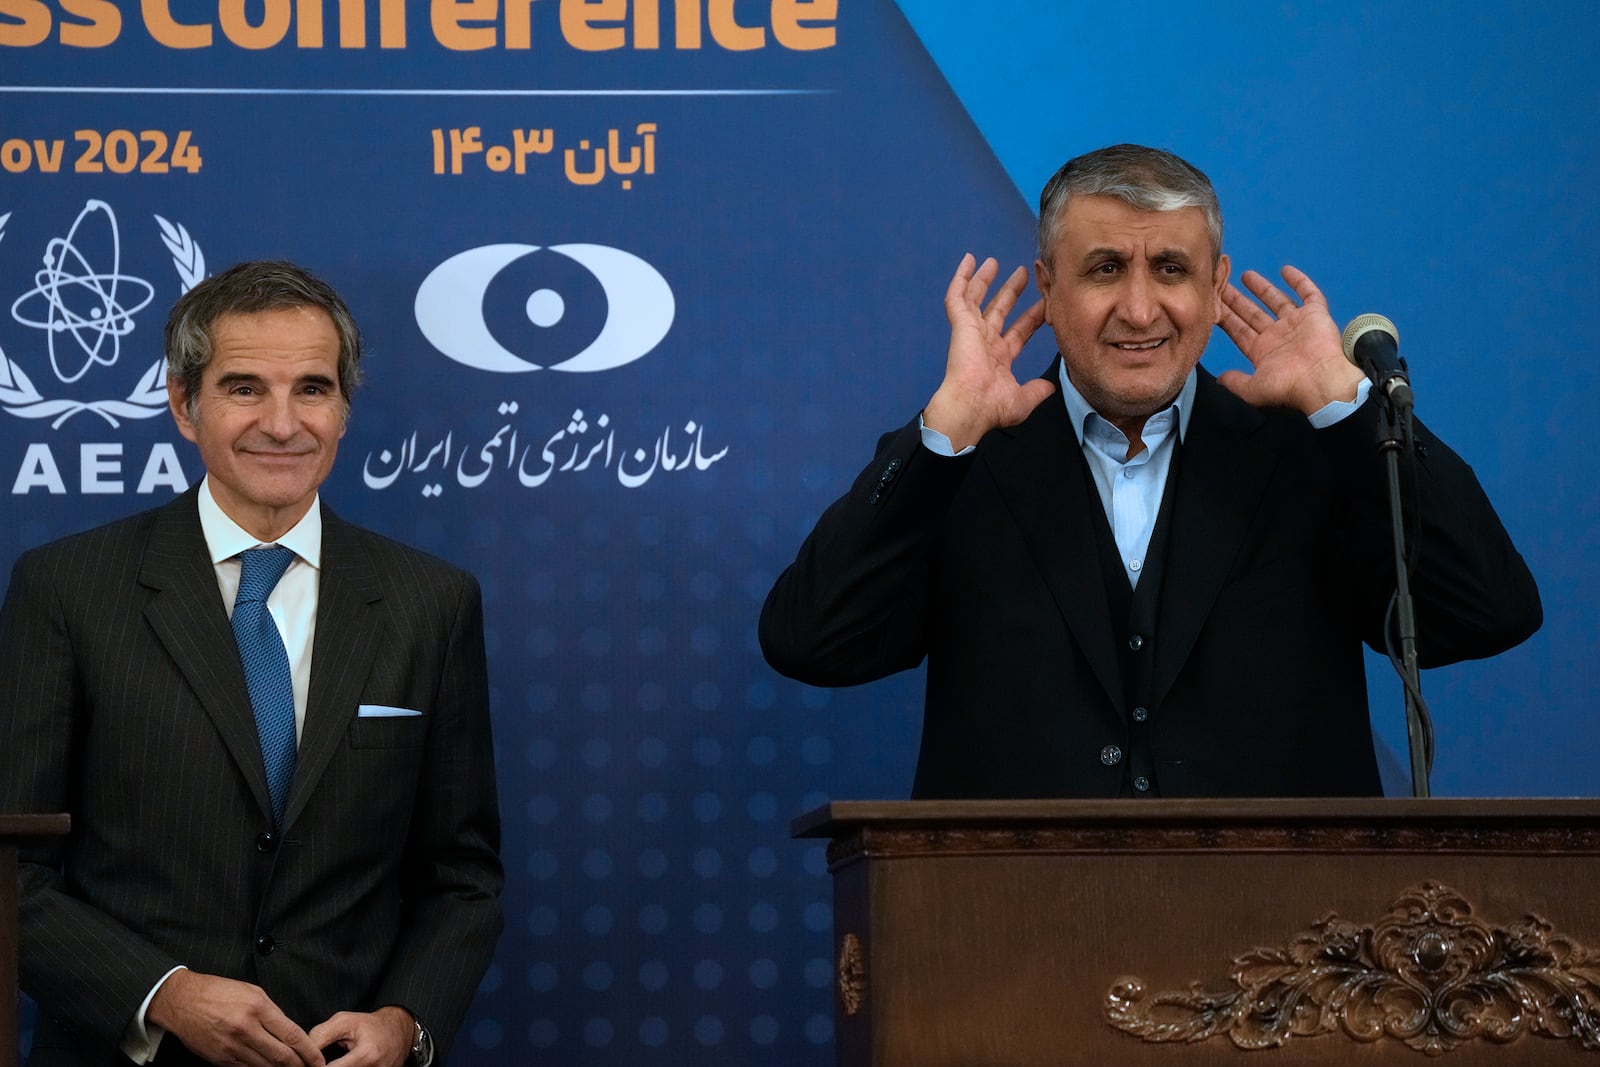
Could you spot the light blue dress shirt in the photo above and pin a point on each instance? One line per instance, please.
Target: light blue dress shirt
(1130, 489)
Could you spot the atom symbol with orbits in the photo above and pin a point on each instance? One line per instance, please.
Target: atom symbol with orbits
(81, 301)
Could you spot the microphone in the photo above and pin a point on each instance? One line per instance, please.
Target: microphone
(1372, 343)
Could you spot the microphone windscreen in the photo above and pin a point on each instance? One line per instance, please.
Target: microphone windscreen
(1363, 324)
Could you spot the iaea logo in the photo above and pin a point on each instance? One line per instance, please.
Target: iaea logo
(450, 308)
(85, 303)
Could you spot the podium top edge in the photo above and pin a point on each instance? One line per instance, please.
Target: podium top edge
(840, 816)
(51, 825)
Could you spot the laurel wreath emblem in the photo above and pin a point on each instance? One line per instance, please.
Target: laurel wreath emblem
(19, 396)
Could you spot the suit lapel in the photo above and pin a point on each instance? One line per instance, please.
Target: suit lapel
(1222, 477)
(1040, 474)
(190, 620)
(342, 654)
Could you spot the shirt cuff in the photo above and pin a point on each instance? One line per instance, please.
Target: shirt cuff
(141, 1039)
(1338, 410)
(940, 445)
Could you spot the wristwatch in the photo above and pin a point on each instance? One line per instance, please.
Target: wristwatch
(422, 1047)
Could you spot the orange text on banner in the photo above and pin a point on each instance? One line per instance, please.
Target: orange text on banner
(459, 25)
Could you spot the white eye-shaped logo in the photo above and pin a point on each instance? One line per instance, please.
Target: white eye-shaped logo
(449, 308)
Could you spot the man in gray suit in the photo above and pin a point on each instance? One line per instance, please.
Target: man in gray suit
(339, 894)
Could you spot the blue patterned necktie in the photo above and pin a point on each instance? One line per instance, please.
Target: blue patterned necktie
(266, 668)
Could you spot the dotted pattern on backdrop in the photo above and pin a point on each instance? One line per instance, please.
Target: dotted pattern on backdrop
(657, 904)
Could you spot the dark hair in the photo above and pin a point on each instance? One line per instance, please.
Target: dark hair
(244, 289)
(1148, 179)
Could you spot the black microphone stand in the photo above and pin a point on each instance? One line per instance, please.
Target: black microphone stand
(1394, 437)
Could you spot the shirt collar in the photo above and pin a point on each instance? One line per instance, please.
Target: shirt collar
(226, 538)
(1078, 409)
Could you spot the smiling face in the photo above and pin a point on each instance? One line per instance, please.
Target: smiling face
(267, 415)
(1132, 296)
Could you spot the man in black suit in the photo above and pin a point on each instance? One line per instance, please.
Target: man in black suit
(1128, 577)
(205, 907)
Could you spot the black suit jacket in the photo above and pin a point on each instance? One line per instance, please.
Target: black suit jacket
(1278, 567)
(125, 705)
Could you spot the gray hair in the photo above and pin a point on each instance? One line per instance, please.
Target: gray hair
(1147, 179)
(246, 289)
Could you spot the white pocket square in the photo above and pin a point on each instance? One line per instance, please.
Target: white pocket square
(382, 711)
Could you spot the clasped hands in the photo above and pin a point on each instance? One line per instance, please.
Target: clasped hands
(224, 1021)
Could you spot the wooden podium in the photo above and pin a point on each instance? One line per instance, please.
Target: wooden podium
(1185, 932)
(14, 829)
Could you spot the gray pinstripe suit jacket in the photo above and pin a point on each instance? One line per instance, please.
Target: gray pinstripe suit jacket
(123, 703)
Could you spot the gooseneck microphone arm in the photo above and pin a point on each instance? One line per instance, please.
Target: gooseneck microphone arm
(1372, 343)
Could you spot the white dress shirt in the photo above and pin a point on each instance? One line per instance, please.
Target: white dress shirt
(293, 602)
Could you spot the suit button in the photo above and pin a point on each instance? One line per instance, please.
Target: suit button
(1141, 714)
(1136, 642)
(1142, 784)
(265, 945)
(1111, 755)
(266, 842)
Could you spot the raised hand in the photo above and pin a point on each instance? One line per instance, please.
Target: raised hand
(980, 390)
(1294, 348)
